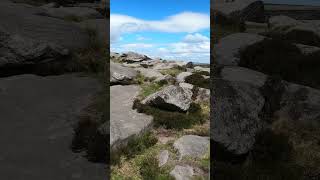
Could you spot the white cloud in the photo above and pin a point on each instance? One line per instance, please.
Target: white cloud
(183, 22)
(195, 38)
(136, 46)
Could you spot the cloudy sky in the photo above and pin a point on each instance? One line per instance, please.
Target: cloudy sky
(170, 29)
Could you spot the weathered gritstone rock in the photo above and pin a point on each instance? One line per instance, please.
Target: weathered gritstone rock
(237, 103)
(125, 122)
(163, 157)
(199, 68)
(165, 78)
(239, 10)
(169, 65)
(132, 57)
(17, 19)
(76, 12)
(192, 146)
(300, 103)
(149, 73)
(203, 95)
(42, 111)
(150, 63)
(296, 31)
(228, 49)
(120, 74)
(173, 98)
(186, 85)
(182, 172)
(16, 50)
(182, 76)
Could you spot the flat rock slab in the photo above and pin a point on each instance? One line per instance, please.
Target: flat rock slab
(25, 21)
(192, 146)
(37, 118)
(182, 172)
(228, 49)
(125, 122)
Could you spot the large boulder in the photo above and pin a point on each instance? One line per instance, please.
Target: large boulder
(174, 98)
(290, 29)
(16, 50)
(235, 11)
(192, 146)
(132, 57)
(120, 74)
(125, 122)
(236, 105)
(228, 49)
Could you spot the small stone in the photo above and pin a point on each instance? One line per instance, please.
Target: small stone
(163, 157)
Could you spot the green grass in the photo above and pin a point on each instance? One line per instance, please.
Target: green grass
(173, 71)
(150, 88)
(136, 145)
(142, 165)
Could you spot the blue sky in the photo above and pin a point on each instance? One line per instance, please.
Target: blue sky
(170, 29)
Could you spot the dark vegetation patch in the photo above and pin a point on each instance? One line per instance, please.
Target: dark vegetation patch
(135, 146)
(280, 58)
(149, 169)
(270, 158)
(87, 136)
(272, 92)
(173, 120)
(198, 80)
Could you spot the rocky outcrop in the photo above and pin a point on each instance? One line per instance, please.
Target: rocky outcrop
(228, 49)
(227, 12)
(132, 57)
(16, 50)
(173, 98)
(120, 74)
(125, 123)
(192, 146)
(293, 30)
(22, 20)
